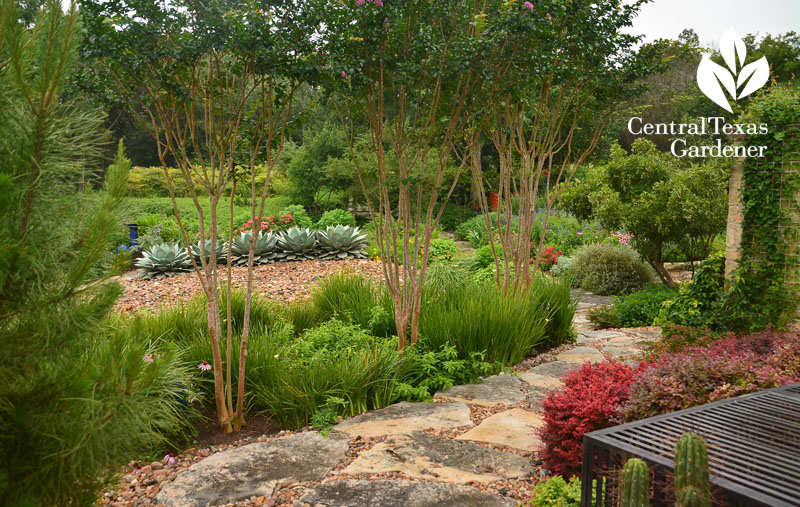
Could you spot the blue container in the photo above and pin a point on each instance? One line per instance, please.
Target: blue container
(134, 234)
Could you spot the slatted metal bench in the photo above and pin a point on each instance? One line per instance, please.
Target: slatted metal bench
(753, 450)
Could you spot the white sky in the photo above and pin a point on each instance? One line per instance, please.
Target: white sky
(709, 18)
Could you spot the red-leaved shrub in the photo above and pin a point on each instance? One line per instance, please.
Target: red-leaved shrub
(726, 368)
(589, 401)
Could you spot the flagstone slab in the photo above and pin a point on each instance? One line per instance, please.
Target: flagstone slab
(621, 352)
(425, 456)
(652, 333)
(589, 335)
(494, 390)
(623, 341)
(255, 469)
(385, 493)
(581, 318)
(581, 355)
(555, 368)
(513, 428)
(404, 417)
(539, 380)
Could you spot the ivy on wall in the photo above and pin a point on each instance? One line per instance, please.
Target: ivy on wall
(758, 293)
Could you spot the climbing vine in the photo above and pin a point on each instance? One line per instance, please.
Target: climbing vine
(758, 293)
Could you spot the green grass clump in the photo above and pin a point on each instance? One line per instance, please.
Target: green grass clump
(475, 317)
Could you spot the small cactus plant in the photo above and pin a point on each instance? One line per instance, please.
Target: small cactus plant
(635, 484)
(692, 486)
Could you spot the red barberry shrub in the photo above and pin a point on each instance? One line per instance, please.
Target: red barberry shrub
(728, 367)
(589, 401)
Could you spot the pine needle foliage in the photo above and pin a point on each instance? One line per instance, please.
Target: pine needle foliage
(76, 402)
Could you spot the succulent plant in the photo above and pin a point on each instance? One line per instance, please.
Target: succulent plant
(221, 252)
(634, 484)
(162, 260)
(298, 244)
(342, 242)
(692, 486)
(265, 252)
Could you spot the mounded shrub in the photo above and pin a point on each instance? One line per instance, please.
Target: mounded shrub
(299, 216)
(589, 400)
(336, 217)
(555, 491)
(610, 269)
(637, 309)
(442, 249)
(696, 303)
(728, 367)
(483, 257)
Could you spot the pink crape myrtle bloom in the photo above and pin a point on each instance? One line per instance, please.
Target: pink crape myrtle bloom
(549, 17)
(360, 2)
(528, 6)
(343, 74)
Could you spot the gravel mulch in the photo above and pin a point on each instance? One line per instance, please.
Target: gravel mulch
(282, 281)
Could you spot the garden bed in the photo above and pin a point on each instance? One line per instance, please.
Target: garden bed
(283, 281)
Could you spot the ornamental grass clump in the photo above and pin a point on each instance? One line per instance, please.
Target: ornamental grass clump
(334, 360)
(476, 317)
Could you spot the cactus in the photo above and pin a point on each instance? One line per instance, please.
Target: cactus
(692, 487)
(635, 484)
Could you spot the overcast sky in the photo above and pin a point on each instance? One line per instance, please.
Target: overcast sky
(709, 18)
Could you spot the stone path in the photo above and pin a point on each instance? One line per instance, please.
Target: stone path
(475, 446)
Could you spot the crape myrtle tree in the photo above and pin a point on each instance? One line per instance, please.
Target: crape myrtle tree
(556, 70)
(406, 69)
(76, 400)
(213, 83)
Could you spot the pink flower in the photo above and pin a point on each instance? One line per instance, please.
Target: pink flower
(528, 6)
(168, 458)
(379, 3)
(386, 22)
(204, 366)
(343, 74)
(549, 17)
(147, 358)
(360, 2)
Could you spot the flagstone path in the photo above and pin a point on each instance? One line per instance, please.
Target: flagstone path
(477, 445)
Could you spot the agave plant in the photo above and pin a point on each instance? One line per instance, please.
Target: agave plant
(265, 252)
(162, 260)
(221, 253)
(342, 242)
(298, 244)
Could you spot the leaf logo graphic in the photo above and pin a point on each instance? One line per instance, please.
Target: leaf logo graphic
(714, 79)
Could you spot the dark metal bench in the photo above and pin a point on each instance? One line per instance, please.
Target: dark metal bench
(753, 450)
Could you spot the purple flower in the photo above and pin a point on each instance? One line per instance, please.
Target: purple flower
(204, 366)
(549, 17)
(529, 6)
(147, 358)
(343, 74)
